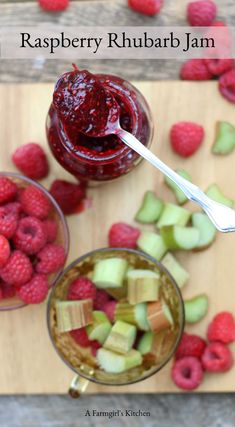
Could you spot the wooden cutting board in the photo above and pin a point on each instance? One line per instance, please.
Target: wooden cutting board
(28, 363)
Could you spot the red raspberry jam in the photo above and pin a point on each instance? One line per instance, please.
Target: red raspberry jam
(92, 158)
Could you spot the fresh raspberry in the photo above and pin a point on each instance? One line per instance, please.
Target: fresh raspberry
(219, 66)
(217, 358)
(51, 259)
(30, 236)
(227, 85)
(195, 69)
(187, 373)
(18, 270)
(201, 13)
(8, 222)
(53, 5)
(51, 229)
(101, 299)
(95, 345)
(122, 235)
(81, 337)
(14, 207)
(109, 309)
(35, 291)
(4, 251)
(147, 7)
(68, 195)
(35, 202)
(1, 293)
(222, 328)
(81, 288)
(31, 160)
(8, 291)
(190, 345)
(186, 138)
(8, 190)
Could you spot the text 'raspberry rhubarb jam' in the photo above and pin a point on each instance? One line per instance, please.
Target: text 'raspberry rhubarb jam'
(82, 106)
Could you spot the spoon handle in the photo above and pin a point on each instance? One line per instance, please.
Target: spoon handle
(222, 216)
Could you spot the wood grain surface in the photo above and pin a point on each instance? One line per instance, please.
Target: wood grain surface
(95, 12)
(28, 363)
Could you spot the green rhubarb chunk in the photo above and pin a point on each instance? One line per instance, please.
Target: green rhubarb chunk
(145, 343)
(173, 215)
(152, 244)
(177, 237)
(150, 209)
(100, 328)
(114, 363)
(224, 138)
(121, 337)
(179, 194)
(178, 273)
(196, 308)
(134, 314)
(110, 273)
(207, 231)
(215, 193)
(143, 286)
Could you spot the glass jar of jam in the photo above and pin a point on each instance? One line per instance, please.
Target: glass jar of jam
(100, 158)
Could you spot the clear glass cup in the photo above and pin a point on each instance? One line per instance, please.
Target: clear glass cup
(62, 236)
(97, 160)
(79, 359)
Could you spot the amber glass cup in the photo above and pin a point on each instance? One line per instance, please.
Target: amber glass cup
(79, 359)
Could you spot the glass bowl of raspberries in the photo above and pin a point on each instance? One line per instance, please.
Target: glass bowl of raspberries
(115, 317)
(34, 241)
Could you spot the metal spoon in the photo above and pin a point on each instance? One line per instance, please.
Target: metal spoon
(222, 216)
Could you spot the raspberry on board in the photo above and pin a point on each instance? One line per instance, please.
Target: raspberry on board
(201, 13)
(187, 373)
(4, 251)
(122, 235)
(35, 291)
(147, 7)
(8, 190)
(219, 66)
(18, 269)
(35, 203)
(50, 259)
(190, 345)
(222, 328)
(195, 69)
(31, 160)
(186, 138)
(227, 85)
(30, 236)
(217, 358)
(68, 195)
(53, 5)
(81, 288)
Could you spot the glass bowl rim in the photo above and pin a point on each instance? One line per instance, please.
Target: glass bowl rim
(62, 218)
(131, 251)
